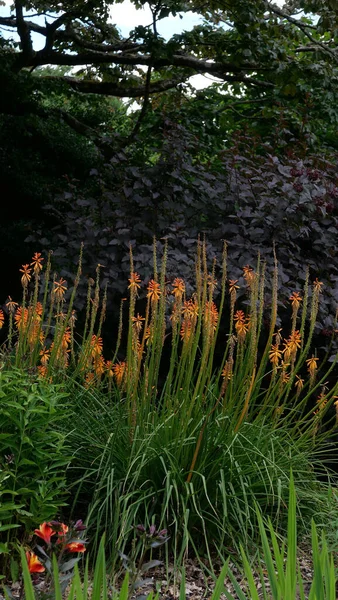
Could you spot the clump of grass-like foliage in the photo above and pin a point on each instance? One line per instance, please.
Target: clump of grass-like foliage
(186, 440)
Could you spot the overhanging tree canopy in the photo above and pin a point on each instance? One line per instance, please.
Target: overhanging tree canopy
(254, 49)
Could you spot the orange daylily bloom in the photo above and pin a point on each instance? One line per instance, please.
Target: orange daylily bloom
(76, 547)
(34, 565)
(45, 532)
(64, 529)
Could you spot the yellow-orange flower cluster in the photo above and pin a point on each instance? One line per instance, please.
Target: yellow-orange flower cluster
(249, 275)
(317, 285)
(295, 300)
(137, 323)
(233, 287)
(312, 368)
(134, 282)
(210, 316)
(154, 291)
(291, 345)
(119, 371)
(59, 289)
(37, 263)
(178, 288)
(242, 324)
(26, 275)
(190, 310)
(275, 354)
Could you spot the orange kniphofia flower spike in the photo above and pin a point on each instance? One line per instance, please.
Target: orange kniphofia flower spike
(34, 565)
(134, 281)
(312, 365)
(137, 323)
(60, 288)
(45, 532)
(190, 309)
(232, 286)
(295, 299)
(211, 314)
(299, 384)
(26, 275)
(21, 317)
(2, 318)
(154, 290)
(212, 283)
(317, 285)
(42, 370)
(275, 354)
(178, 288)
(11, 305)
(99, 365)
(89, 380)
(39, 309)
(37, 263)
(44, 356)
(293, 342)
(76, 547)
(119, 371)
(109, 368)
(248, 274)
(186, 330)
(96, 346)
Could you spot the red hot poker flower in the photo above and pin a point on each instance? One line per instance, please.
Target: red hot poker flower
(34, 564)
(76, 547)
(45, 532)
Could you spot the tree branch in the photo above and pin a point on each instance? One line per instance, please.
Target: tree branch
(143, 111)
(23, 30)
(108, 88)
(304, 27)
